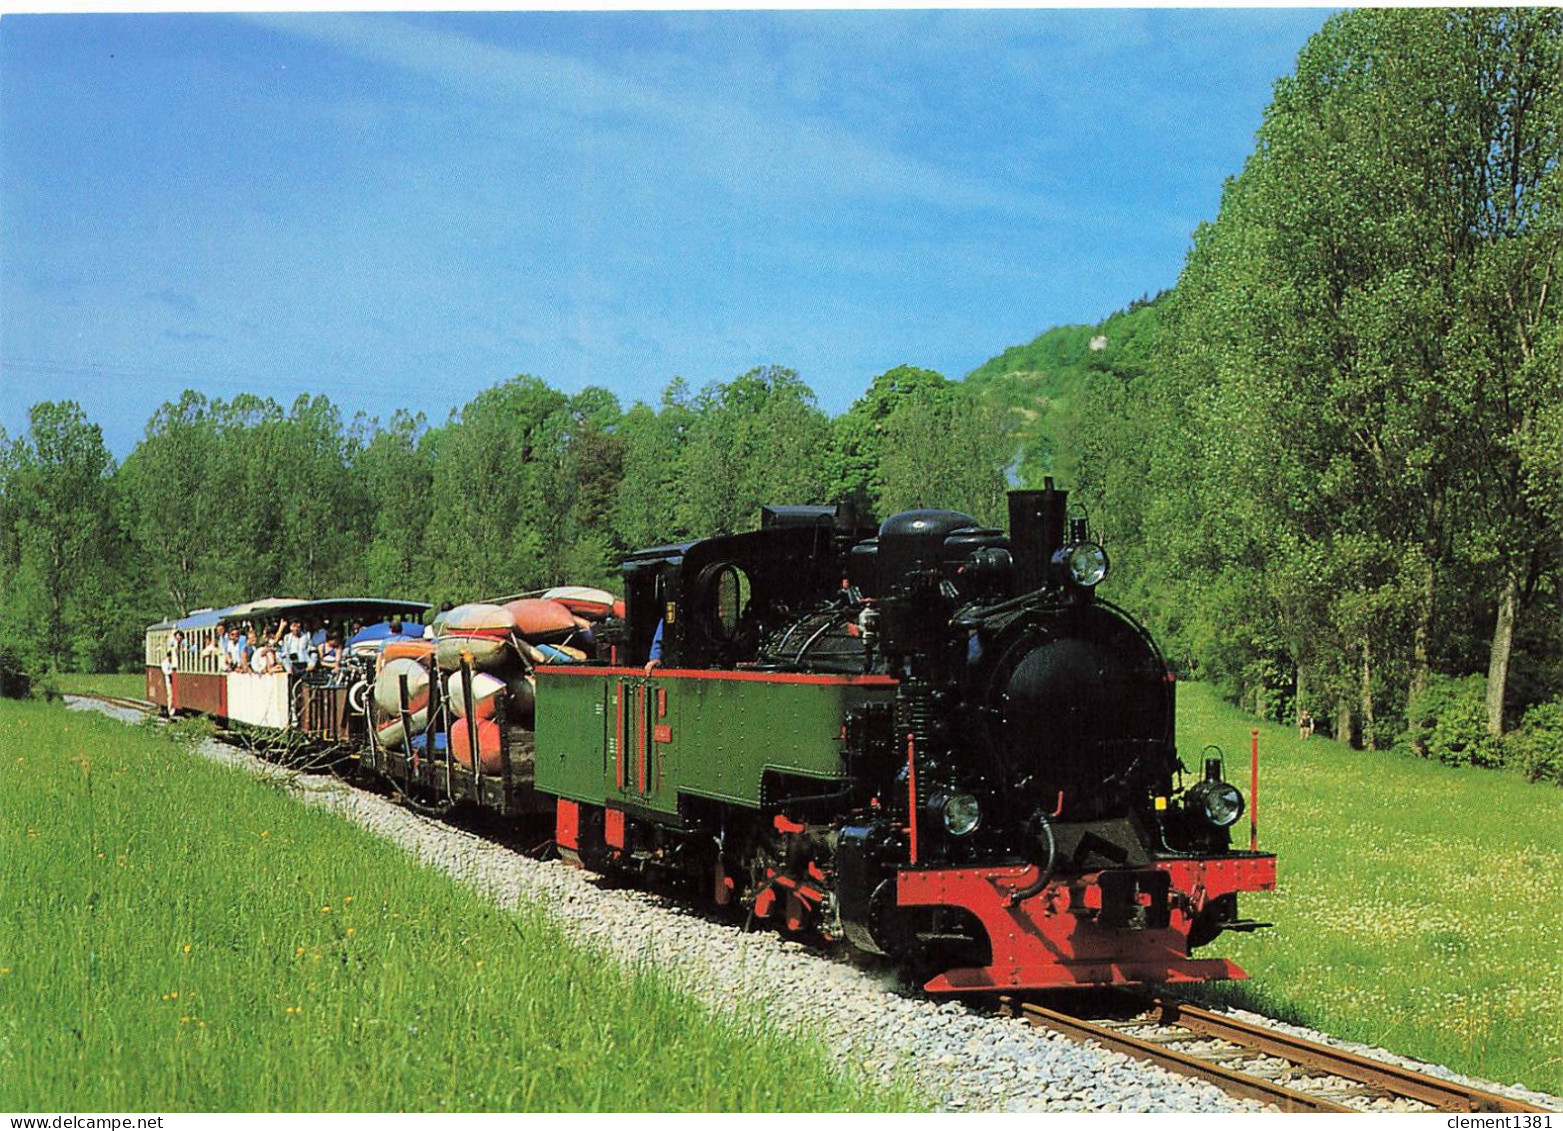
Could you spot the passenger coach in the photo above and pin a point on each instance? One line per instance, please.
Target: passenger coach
(315, 701)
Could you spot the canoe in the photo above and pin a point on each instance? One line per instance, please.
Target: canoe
(516, 696)
(479, 620)
(400, 648)
(556, 654)
(489, 750)
(484, 653)
(485, 690)
(387, 686)
(582, 600)
(518, 742)
(540, 620)
(521, 700)
(390, 735)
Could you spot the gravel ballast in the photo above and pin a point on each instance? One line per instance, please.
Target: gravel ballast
(960, 1060)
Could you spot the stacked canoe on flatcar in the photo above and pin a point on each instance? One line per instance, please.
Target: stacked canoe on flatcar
(472, 688)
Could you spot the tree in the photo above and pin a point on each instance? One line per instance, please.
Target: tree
(321, 530)
(759, 438)
(1326, 348)
(170, 486)
(942, 448)
(490, 523)
(1507, 124)
(648, 498)
(393, 471)
(57, 605)
(858, 436)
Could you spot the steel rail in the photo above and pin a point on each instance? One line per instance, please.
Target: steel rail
(1446, 1095)
(144, 706)
(1235, 1083)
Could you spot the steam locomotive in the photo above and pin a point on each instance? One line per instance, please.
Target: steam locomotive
(932, 742)
(929, 740)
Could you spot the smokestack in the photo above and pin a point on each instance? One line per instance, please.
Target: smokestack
(1036, 531)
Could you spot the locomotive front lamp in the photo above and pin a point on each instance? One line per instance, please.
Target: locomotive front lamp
(961, 814)
(1218, 802)
(1087, 564)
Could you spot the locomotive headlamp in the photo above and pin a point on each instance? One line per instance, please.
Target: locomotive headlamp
(1086, 563)
(961, 814)
(1218, 802)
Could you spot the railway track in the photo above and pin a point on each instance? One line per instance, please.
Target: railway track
(141, 705)
(1260, 1063)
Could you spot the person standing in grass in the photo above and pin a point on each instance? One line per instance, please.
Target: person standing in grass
(176, 641)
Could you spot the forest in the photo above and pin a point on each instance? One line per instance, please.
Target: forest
(1328, 463)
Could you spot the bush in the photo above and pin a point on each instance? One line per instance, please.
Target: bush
(1449, 720)
(15, 683)
(1536, 745)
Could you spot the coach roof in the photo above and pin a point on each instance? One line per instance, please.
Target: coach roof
(352, 607)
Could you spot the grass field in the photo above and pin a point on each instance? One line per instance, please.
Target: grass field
(1420, 906)
(175, 936)
(131, 685)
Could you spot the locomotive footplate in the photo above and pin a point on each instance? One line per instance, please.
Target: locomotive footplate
(1101, 928)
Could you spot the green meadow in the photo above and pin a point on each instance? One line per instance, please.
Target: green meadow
(1420, 906)
(132, 685)
(175, 936)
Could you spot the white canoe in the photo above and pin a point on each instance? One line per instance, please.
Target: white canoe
(390, 735)
(485, 689)
(387, 686)
(478, 620)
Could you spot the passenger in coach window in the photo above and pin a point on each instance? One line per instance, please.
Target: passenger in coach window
(236, 651)
(265, 661)
(213, 649)
(297, 653)
(331, 653)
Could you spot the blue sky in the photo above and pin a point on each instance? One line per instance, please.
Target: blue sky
(400, 210)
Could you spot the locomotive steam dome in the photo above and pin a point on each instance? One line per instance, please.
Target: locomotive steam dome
(913, 541)
(1086, 713)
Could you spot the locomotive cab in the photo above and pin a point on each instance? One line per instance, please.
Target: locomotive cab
(716, 599)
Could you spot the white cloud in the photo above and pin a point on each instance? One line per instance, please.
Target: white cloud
(717, 138)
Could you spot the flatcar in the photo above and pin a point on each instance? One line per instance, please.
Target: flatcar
(927, 739)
